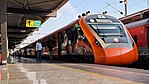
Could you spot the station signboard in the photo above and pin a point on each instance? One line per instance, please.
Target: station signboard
(33, 23)
(37, 23)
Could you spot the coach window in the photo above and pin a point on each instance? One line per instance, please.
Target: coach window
(78, 31)
(53, 40)
(44, 45)
(74, 37)
(75, 33)
(65, 38)
(68, 32)
(60, 37)
(69, 36)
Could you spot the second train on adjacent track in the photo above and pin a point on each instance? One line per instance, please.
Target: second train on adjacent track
(93, 38)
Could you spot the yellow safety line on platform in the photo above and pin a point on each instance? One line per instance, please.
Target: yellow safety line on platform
(98, 75)
(121, 71)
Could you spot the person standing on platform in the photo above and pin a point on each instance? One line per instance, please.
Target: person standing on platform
(38, 50)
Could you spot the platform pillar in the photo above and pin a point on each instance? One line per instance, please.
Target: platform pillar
(3, 23)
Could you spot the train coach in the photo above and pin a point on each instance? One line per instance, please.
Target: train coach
(94, 38)
(140, 32)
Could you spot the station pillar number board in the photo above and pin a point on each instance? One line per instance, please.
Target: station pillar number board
(33, 23)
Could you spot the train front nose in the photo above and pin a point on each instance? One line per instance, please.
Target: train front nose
(129, 56)
(119, 56)
(113, 56)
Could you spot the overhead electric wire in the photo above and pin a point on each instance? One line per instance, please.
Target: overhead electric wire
(114, 8)
(109, 4)
(106, 6)
(102, 9)
(130, 6)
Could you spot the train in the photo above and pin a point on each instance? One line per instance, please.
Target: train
(94, 38)
(140, 33)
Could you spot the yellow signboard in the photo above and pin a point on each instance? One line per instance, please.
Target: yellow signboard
(29, 23)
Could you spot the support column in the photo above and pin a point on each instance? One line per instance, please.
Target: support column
(125, 2)
(3, 17)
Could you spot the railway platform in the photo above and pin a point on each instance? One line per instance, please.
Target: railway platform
(27, 71)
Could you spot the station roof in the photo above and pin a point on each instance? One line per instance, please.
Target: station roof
(138, 23)
(18, 11)
(143, 14)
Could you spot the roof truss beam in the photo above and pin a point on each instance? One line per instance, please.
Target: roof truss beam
(11, 10)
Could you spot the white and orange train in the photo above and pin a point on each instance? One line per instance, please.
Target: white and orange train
(93, 38)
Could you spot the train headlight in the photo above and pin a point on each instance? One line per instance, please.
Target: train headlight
(116, 40)
(92, 20)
